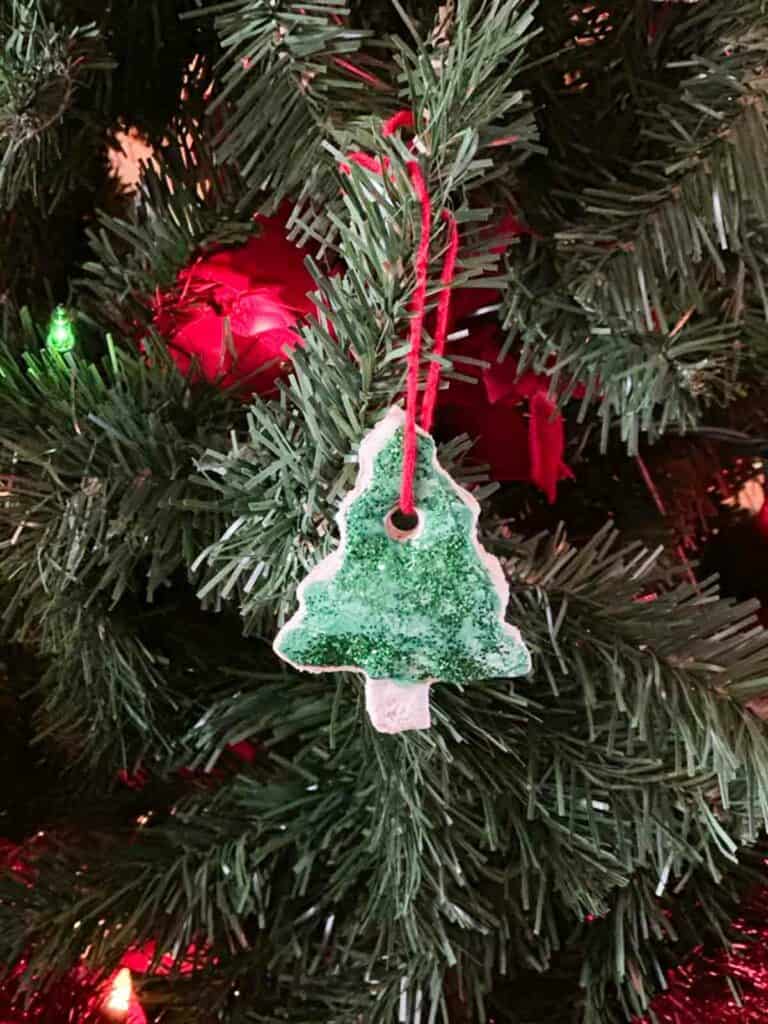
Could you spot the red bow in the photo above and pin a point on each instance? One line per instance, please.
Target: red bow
(520, 434)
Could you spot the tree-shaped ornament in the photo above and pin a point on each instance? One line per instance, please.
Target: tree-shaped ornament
(407, 608)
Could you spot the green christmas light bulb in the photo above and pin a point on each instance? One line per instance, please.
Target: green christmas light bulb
(407, 609)
(61, 333)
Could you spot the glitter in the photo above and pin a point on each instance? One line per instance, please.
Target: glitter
(422, 609)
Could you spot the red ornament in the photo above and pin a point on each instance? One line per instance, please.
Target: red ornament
(259, 289)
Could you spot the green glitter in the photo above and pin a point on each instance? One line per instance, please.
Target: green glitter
(61, 334)
(421, 609)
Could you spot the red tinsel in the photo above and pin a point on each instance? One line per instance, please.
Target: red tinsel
(81, 994)
(699, 990)
(78, 997)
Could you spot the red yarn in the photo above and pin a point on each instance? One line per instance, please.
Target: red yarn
(418, 308)
(402, 119)
(365, 160)
(441, 327)
(405, 119)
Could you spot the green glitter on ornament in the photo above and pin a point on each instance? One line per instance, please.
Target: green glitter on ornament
(61, 334)
(423, 609)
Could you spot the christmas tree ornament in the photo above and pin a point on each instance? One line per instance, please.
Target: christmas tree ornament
(406, 606)
(61, 333)
(410, 597)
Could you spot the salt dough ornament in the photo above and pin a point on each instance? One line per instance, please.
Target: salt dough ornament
(405, 609)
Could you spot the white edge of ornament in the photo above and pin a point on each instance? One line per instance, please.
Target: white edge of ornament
(373, 442)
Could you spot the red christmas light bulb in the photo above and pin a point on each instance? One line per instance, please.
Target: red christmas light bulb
(120, 1004)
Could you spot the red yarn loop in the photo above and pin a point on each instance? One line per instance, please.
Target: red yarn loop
(418, 306)
(402, 119)
(418, 310)
(441, 327)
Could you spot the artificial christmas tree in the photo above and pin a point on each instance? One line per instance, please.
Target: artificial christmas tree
(189, 367)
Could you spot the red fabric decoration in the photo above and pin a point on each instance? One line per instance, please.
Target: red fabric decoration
(261, 288)
(520, 434)
(466, 301)
(546, 437)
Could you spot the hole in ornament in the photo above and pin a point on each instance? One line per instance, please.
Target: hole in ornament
(401, 525)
